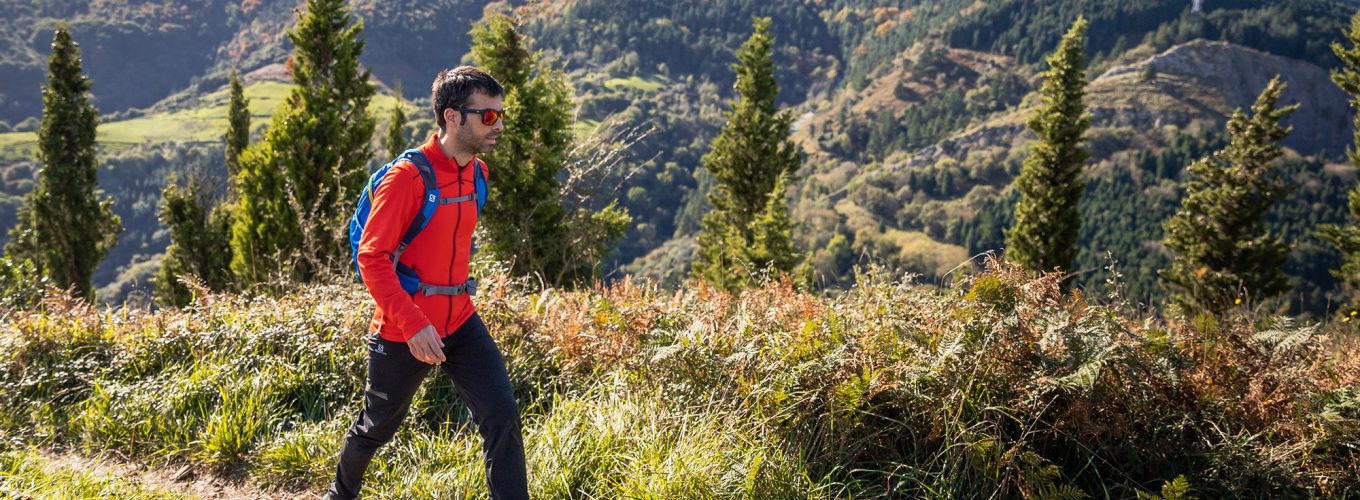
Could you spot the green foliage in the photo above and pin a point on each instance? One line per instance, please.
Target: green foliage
(1126, 202)
(532, 220)
(199, 222)
(237, 137)
(628, 391)
(1223, 253)
(296, 186)
(65, 228)
(31, 473)
(1047, 222)
(1272, 27)
(1346, 238)
(524, 216)
(200, 239)
(748, 159)
(396, 142)
(1175, 489)
(772, 232)
(243, 414)
(1026, 30)
(675, 39)
(21, 285)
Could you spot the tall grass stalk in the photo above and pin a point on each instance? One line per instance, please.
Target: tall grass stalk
(1000, 385)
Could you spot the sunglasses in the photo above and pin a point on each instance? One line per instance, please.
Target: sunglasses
(489, 116)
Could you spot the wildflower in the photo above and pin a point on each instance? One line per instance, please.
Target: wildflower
(1238, 301)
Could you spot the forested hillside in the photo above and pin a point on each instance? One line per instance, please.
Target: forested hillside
(911, 114)
(723, 249)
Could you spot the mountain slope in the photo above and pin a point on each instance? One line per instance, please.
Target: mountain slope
(1145, 114)
(911, 116)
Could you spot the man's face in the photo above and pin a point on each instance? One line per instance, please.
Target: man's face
(472, 134)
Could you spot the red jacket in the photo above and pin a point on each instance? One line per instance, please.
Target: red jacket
(439, 254)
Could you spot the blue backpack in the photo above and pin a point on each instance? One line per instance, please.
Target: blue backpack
(407, 276)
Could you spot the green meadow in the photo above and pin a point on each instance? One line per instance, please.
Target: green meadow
(203, 121)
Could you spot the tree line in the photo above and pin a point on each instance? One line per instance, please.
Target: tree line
(1223, 255)
(286, 198)
(282, 217)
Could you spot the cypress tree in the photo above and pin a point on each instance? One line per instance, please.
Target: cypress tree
(1044, 236)
(1346, 238)
(237, 137)
(524, 217)
(772, 232)
(396, 128)
(296, 187)
(1223, 252)
(200, 237)
(199, 225)
(65, 227)
(748, 158)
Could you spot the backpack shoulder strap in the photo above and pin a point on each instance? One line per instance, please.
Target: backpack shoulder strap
(429, 202)
(479, 183)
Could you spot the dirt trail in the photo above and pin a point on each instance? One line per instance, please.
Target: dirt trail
(174, 478)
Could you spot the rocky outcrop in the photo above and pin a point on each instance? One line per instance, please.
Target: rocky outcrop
(1209, 78)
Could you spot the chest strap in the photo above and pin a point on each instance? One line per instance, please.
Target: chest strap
(460, 199)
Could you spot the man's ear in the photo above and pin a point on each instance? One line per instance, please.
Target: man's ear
(449, 116)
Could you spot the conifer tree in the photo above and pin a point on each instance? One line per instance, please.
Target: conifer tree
(1346, 238)
(772, 232)
(748, 159)
(65, 228)
(396, 128)
(524, 217)
(237, 137)
(296, 187)
(199, 222)
(1044, 236)
(200, 237)
(1223, 252)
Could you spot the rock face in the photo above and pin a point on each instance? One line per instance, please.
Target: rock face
(1199, 80)
(1218, 77)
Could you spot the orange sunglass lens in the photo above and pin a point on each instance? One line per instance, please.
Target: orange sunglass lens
(490, 117)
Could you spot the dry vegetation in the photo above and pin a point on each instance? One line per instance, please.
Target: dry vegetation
(1000, 385)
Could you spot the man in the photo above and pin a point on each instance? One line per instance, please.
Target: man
(414, 332)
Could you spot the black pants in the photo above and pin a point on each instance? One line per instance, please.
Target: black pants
(474, 364)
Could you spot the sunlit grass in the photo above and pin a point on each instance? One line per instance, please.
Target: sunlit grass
(639, 83)
(27, 473)
(1000, 385)
(203, 122)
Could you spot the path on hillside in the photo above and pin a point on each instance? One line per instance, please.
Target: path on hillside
(172, 478)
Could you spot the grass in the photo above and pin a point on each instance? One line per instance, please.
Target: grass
(638, 83)
(939, 257)
(28, 473)
(582, 129)
(1000, 385)
(204, 122)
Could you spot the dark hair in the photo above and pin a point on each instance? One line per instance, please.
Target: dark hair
(453, 87)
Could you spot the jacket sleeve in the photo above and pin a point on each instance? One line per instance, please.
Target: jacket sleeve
(394, 205)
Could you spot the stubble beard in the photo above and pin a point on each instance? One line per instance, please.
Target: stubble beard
(474, 143)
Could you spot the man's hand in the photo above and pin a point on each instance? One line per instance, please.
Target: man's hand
(426, 346)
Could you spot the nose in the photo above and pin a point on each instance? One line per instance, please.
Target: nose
(499, 125)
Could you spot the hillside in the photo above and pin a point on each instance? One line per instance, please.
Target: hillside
(918, 364)
(1167, 105)
(911, 117)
